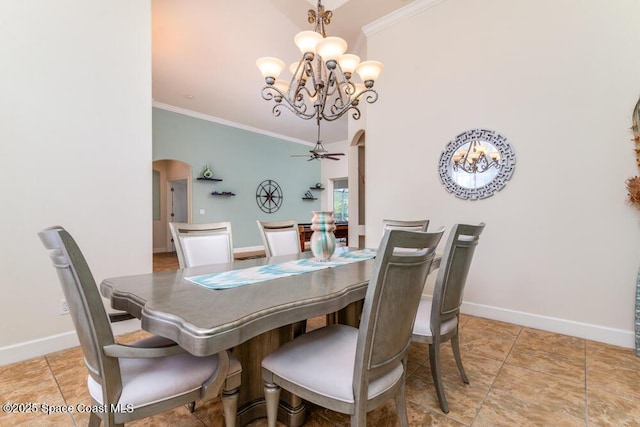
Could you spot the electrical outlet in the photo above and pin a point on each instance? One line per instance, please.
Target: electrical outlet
(64, 307)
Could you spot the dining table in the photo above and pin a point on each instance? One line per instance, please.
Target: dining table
(250, 319)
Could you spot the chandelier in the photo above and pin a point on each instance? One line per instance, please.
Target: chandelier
(322, 85)
(475, 158)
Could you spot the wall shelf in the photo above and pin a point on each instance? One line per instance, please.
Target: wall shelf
(202, 178)
(223, 193)
(309, 198)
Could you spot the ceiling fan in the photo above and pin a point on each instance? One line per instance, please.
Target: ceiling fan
(319, 152)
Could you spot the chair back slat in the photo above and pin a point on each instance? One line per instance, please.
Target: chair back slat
(391, 302)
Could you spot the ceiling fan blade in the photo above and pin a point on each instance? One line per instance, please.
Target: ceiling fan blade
(334, 154)
(328, 156)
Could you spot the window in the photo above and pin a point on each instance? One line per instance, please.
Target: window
(341, 200)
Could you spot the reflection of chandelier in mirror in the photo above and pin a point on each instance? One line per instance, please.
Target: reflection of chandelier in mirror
(322, 86)
(475, 158)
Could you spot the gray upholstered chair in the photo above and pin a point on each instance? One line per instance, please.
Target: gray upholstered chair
(437, 318)
(351, 370)
(280, 237)
(142, 379)
(201, 244)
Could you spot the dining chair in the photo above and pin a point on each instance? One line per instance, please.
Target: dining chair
(354, 370)
(142, 379)
(280, 237)
(438, 317)
(202, 244)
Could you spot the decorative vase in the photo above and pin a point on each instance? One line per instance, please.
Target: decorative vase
(323, 241)
(207, 173)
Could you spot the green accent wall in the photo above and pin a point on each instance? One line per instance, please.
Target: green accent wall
(242, 159)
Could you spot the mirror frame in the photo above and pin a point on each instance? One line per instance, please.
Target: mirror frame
(507, 164)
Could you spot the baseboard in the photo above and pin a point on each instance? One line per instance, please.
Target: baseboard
(240, 251)
(618, 337)
(41, 346)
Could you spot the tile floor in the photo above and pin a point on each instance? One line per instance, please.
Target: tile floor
(519, 377)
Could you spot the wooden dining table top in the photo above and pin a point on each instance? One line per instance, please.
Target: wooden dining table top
(204, 321)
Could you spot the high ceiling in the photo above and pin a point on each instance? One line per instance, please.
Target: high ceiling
(204, 54)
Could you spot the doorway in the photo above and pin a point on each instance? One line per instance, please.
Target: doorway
(172, 200)
(177, 206)
(357, 189)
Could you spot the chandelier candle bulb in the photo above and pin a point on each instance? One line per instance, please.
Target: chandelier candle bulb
(307, 41)
(348, 64)
(270, 68)
(330, 49)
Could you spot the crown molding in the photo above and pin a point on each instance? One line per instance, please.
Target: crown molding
(399, 15)
(229, 123)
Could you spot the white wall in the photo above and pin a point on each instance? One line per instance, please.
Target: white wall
(75, 150)
(559, 79)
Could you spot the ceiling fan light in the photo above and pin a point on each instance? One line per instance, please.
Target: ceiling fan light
(270, 68)
(331, 48)
(307, 41)
(369, 71)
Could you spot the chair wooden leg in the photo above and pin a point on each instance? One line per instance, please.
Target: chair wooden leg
(359, 417)
(230, 406)
(94, 420)
(436, 373)
(455, 345)
(272, 399)
(401, 406)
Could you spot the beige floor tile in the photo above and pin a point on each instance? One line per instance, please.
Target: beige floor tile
(488, 338)
(530, 392)
(554, 354)
(30, 387)
(464, 399)
(614, 369)
(608, 408)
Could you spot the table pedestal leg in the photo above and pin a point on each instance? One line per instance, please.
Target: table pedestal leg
(251, 404)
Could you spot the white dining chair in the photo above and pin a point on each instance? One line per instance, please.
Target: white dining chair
(438, 317)
(280, 237)
(354, 370)
(142, 379)
(202, 244)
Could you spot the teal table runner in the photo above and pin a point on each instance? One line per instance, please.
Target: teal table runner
(246, 276)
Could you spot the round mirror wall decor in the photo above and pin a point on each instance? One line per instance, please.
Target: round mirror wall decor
(476, 164)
